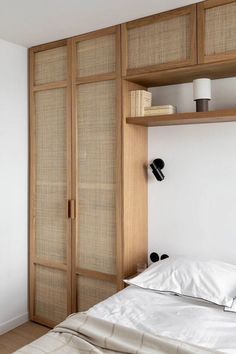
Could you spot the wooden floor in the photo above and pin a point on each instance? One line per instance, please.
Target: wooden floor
(20, 336)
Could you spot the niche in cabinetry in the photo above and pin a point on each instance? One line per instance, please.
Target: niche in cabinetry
(182, 97)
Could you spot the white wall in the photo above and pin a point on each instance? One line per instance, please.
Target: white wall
(193, 211)
(13, 185)
(72, 17)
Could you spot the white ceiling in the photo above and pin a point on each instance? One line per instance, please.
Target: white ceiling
(32, 22)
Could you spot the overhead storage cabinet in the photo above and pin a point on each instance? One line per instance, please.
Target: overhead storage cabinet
(166, 40)
(216, 30)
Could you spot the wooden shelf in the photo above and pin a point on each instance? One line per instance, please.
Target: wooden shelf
(228, 115)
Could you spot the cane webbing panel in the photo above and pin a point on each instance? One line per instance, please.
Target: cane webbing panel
(50, 66)
(220, 29)
(96, 56)
(97, 230)
(160, 42)
(92, 291)
(96, 137)
(50, 294)
(96, 132)
(51, 174)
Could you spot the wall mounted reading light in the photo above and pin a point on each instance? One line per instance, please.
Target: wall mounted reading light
(157, 165)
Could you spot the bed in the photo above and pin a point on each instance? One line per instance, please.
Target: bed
(138, 320)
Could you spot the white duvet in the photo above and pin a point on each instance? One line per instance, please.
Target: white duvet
(189, 320)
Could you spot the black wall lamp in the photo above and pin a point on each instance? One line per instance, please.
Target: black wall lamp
(157, 165)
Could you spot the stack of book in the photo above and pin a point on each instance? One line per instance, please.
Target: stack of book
(141, 105)
(159, 110)
(140, 99)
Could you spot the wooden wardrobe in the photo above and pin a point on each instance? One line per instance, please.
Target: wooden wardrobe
(88, 167)
(88, 197)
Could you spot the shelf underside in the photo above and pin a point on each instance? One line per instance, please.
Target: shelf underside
(182, 75)
(228, 115)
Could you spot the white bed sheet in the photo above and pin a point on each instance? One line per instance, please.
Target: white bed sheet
(185, 319)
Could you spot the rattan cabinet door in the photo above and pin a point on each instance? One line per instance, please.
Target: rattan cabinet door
(217, 30)
(50, 294)
(50, 261)
(50, 65)
(96, 54)
(163, 41)
(91, 291)
(96, 183)
(96, 176)
(51, 175)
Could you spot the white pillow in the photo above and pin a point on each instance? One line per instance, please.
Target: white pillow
(231, 309)
(213, 281)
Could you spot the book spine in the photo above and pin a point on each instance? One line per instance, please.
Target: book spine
(146, 101)
(141, 108)
(158, 113)
(132, 103)
(162, 107)
(155, 110)
(137, 109)
(160, 110)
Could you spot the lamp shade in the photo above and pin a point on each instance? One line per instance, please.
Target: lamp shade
(201, 89)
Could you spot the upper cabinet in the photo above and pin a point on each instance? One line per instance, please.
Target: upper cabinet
(159, 42)
(50, 65)
(216, 30)
(97, 55)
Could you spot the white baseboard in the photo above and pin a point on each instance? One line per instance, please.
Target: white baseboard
(13, 323)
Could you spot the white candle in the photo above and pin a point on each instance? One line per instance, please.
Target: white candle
(201, 89)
